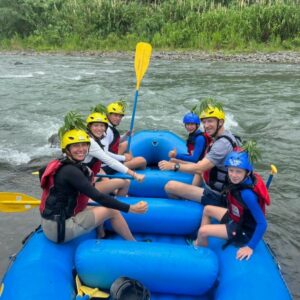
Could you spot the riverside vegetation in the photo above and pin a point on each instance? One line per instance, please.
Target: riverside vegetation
(102, 25)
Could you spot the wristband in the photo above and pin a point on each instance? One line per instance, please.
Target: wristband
(176, 167)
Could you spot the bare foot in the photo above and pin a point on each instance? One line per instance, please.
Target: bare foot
(200, 243)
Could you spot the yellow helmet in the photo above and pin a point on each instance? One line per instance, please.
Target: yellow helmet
(74, 136)
(116, 108)
(212, 112)
(97, 117)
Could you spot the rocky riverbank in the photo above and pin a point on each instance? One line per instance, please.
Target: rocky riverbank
(258, 57)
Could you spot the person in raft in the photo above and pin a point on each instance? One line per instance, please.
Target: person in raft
(113, 142)
(97, 124)
(67, 187)
(244, 222)
(196, 143)
(211, 167)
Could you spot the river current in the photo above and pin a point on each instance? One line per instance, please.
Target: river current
(261, 101)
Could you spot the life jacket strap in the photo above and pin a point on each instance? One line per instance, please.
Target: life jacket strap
(61, 227)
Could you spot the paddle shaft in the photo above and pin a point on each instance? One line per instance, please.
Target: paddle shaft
(273, 171)
(269, 180)
(132, 119)
(121, 176)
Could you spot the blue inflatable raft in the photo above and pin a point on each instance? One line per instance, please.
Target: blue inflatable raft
(169, 267)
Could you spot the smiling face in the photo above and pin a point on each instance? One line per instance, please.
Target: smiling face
(115, 119)
(191, 127)
(98, 129)
(236, 175)
(212, 126)
(78, 151)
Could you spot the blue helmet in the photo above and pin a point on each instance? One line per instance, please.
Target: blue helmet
(191, 118)
(238, 159)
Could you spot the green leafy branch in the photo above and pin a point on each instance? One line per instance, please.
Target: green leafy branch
(205, 104)
(122, 102)
(253, 151)
(99, 108)
(72, 120)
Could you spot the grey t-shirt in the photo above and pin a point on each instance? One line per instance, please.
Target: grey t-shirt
(217, 156)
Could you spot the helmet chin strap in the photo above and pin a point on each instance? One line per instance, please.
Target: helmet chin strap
(217, 130)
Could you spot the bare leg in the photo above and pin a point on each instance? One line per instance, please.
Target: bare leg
(106, 186)
(110, 186)
(120, 226)
(138, 163)
(207, 229)
(123, 147)
(179, 190)
(117, 221)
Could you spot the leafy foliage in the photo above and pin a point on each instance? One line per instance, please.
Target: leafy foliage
(119, 24)
(72, 120)
(123, 103)
(205, 104)
(254, 153)
(99, 108)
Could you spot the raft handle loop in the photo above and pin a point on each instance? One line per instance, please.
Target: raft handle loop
(155, 143)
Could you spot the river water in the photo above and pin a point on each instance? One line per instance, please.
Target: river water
(262, 101)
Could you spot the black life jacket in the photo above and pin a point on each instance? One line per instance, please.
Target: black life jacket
(53, 205)
(190, 143)
(215, 177)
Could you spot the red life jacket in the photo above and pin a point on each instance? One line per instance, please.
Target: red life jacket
(190, 143)
(236, 206)
(95, 164)
(114, 145)
(47, 184)
(213, 175)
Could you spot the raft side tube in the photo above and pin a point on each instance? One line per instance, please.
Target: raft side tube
(154, 145)
(248, 280)
(42, 270)
(161, 267)
(164, 216)
(155, 181)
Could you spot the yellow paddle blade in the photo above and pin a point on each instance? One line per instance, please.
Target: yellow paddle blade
(95, 293)
(1, 289)
(78, 286)
(17, 202)
(91, 292)
(273, 169)
(141, 61)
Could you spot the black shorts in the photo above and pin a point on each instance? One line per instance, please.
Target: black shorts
(109, 171)
(236, 233)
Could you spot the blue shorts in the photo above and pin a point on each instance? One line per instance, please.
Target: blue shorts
(211, 198)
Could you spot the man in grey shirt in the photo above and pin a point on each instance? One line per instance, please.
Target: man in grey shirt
(210, 168)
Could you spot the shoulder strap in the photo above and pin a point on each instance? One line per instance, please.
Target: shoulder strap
(233, 144)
